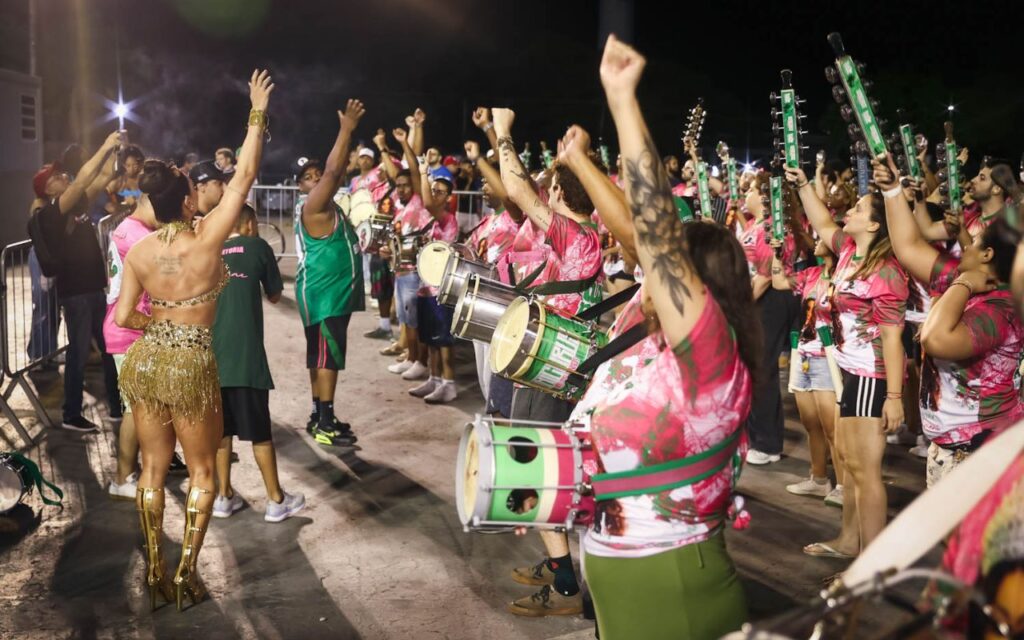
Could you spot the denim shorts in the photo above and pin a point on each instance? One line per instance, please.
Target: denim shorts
(815, 378)
(406, 286)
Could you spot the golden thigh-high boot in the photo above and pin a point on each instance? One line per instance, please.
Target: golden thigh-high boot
(150, 505)
(186, 580)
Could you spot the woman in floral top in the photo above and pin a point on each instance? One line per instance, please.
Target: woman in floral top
(868, 298)
(972, 338)
(656, 562)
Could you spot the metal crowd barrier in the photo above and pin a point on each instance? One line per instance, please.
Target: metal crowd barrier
(30, 328)
(275, 212)
(103, 228)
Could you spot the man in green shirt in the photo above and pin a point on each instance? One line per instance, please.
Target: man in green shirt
(329, 280)
(245, 379)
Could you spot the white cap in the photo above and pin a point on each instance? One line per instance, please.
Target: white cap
(366, 151)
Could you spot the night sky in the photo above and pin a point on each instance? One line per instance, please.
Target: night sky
(187, 60)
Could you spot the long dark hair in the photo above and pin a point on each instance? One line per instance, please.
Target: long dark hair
(1003, 240)
(720, 262)
(166, 187)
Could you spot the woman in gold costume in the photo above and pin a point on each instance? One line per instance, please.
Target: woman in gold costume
(169, 375)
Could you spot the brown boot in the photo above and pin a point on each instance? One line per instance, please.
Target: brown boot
(547, 602)
(535, 576)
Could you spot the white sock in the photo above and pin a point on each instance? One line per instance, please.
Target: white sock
(385, 324)
(435, 379)
(446, 381)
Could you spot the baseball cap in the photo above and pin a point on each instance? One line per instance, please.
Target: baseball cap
(449, 160)
(44, 173)
(205, 171)
(368, 152)
(302, 164)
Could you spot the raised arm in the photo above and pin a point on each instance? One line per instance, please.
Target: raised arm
(390, 169)
(517, 180)
(218, 225)
(820, 189)
(416, 131)
(410, 159)
(334, 171)
(437, 207)
(679, 294)
(482, 119)
(88, 173)
(816, 211)
(944, 334)
(493, 178)
(911, 249)
(102, 179)
(608, 199)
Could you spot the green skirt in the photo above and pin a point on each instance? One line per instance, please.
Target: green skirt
(692, 592)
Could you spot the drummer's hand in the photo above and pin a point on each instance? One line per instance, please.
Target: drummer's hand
(520, 531)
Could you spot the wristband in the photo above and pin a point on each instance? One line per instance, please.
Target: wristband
(894, 192)
(487, 126)
(894, 395)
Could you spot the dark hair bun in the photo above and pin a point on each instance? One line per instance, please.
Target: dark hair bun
(156, 177)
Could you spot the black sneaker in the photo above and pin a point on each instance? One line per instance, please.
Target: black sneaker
(177, 464)
(79, 424)
(311, 423)
(337, 435)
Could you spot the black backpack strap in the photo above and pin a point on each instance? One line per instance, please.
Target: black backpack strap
(609, 303)
(635, 334)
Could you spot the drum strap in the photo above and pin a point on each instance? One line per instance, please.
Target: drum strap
(562, 286)
(609, 303)
(667, 475)
(627, 339)
(36, 478)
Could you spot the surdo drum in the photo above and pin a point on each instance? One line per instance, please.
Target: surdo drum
(524, 473)
(480, 306)
(534, 346)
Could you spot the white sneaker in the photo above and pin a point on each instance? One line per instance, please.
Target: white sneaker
(444, 393)
(400, 367)
(416, 371)
(902, 435)
(223, 506)
(124, 491)
(835, 497)
(756, 457)
(810, 487)
(289, 506)
(426, 388)
(921, 449)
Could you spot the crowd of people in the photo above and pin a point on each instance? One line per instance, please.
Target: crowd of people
(903, 316)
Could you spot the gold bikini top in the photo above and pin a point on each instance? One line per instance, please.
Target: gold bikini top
(202, 298)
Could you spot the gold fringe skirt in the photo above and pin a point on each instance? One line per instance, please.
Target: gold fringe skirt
(172, 367)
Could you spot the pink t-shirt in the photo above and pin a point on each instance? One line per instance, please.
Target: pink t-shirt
(812, 288)
(118, 339)
(492, 239)
(376, 181)
(756, 245)
(661, 404)
(961, 399)
(863, 306)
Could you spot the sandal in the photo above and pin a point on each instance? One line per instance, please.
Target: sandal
(822, 550)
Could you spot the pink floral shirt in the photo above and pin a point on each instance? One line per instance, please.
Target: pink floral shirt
(656, 404)
(961, 399)
(812, 287)
(862, 306)
(376, 181)
(755, 242)
(492, 239)
(117, 339)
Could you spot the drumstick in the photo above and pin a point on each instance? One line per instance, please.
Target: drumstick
(937, 511)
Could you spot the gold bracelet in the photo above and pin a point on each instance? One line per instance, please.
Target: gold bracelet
(258, 118)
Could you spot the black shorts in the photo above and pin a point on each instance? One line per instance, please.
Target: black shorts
(435, 322)
(862, 397)
(246, 413)
(326, 343)
(382, 280)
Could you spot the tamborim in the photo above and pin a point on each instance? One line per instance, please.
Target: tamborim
(480, 306)
(373, 233)
(523, 474)
(535, 346)
(15, 482)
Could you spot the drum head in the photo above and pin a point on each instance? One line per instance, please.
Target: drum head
(344, 202)
(364, 233)
(509, 335)
(361, 207)
(11, 488)
(474, 469)
(431, 262)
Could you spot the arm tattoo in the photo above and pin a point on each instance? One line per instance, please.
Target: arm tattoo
(658, 227)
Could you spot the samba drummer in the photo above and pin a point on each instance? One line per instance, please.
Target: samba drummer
(655, 558)
(421, 214)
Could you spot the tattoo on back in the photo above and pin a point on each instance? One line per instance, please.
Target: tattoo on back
(658, 227)
(169, 265)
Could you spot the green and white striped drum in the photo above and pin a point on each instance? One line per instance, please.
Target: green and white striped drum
(535, 346)
(523, 474)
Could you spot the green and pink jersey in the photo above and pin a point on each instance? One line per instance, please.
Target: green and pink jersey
(862, 306)
(960, 399)
(812, 286)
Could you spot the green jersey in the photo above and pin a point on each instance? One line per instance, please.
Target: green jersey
(238, 328)
(329, 279)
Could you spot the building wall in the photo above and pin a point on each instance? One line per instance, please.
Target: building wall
(21, 150)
